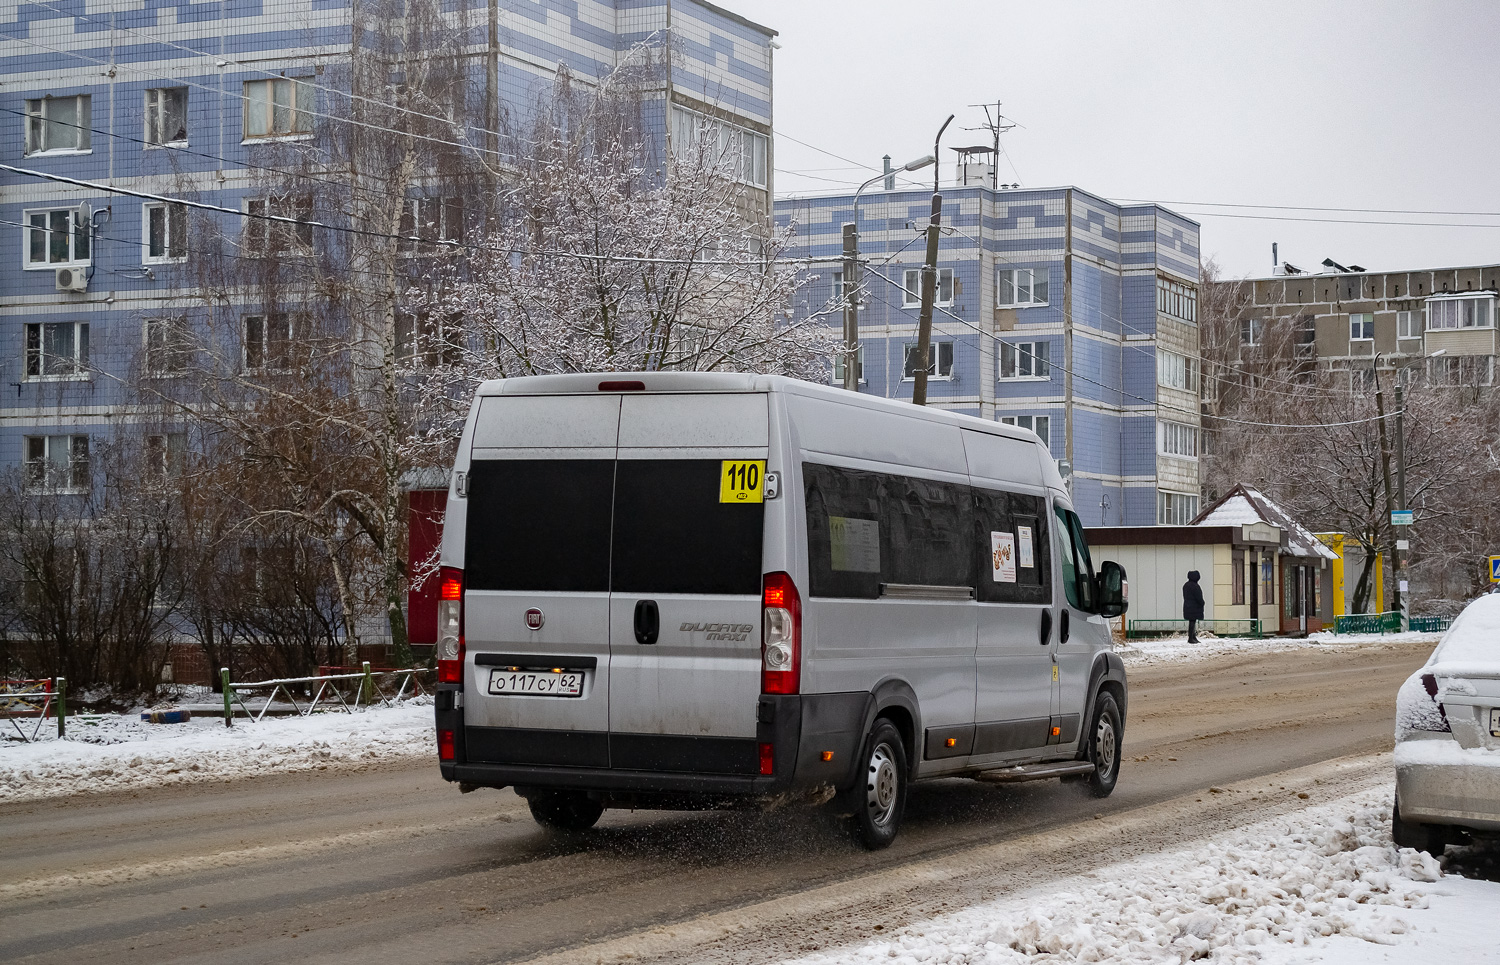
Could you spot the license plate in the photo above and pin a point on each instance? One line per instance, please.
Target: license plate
(1495, 722)
(537, 683)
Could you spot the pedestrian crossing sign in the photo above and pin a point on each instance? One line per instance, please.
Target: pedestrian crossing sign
(1495, 569)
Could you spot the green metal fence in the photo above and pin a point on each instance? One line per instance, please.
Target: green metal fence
(1136, 629)
(1430, 624)
(1368, 623)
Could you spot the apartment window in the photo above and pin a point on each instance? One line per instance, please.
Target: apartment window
(1175, 371)
(1251, 331)
(268, 341)
(1177, 439)
(428, 341)
(166, 454)
(742, 152)
(431, 220)
(1361, 379)
(165, 228)
(1361, 327)
(911, 283)
(1176, 299)
(939, 360)
(1175, 509)
(1453, 371)
(1040, 424)
(1025, 360)
(859, 366)
(1021, 286)
(278, 107)
(1408, 325)
(264, 235)
(1451, 314)
(57, 463)
(57, 350)
(166, 115)
(57, 237)
(166, 345)
(58, 124)
(837, 277)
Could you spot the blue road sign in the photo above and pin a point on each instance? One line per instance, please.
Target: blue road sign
(1495, 569)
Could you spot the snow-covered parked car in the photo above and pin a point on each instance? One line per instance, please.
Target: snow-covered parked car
(1448, 736)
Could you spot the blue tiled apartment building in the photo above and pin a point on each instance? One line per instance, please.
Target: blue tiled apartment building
(173, 97)
(1057, 310)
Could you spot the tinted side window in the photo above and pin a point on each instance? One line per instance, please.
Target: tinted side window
(672, 535)
(844, 531)
(539, 524)
(930, 529)
(867, 528)
(1015, 547)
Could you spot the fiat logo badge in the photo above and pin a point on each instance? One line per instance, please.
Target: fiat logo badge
(535, 618)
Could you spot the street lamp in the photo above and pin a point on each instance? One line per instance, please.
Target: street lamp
(1393, 548)
(851, 276)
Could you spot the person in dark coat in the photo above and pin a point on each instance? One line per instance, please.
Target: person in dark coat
(1192, 604)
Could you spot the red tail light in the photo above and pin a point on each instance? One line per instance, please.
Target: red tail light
(767, 760)
(781, 636)
(450, 628)
(445, 745)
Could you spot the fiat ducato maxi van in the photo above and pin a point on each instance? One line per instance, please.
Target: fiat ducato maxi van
(682, 590)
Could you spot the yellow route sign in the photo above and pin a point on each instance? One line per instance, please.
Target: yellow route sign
(742, 481)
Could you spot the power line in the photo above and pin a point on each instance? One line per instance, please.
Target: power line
(1295, 207)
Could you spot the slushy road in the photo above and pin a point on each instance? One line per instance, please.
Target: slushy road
(394, 865)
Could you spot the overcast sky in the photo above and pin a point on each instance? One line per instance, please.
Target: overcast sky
(1368, 104)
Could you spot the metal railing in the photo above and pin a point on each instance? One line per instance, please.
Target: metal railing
(1389, 622)
(366, 688)
(1139, 629)
(19, 700)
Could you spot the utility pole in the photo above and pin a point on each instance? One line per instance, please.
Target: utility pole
(1385, 471)
(929, 275)
(1405, 606)
(851, 306)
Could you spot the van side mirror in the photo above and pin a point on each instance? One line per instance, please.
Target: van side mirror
(1114, 590)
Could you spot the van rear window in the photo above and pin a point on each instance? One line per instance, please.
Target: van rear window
(539, 525)
(673, 535)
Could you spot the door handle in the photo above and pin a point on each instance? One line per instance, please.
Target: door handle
(1046, 627)
(647, 621)
(1062, 628)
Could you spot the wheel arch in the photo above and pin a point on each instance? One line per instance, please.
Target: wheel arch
(1107, 674)
(896, 701)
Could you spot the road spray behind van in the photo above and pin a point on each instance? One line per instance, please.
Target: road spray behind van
(681, 590)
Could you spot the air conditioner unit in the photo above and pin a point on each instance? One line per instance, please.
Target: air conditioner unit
(72, 279)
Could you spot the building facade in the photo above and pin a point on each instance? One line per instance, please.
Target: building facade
(203, 100)
(1056, 310)
(1351, 320)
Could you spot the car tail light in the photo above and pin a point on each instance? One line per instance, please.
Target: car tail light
(1430, 684)
(781, 636)
(767, 760)
(450, 628)
(445, 745)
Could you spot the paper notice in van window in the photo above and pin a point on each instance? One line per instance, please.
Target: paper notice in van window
(1023, 546)
(855, 544)
(1003, 556)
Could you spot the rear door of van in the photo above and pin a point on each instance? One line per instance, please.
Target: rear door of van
(685, 607)
(537, 559)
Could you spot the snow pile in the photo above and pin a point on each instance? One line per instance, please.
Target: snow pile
(1176, 648)
(118, 752)
(1277, 885)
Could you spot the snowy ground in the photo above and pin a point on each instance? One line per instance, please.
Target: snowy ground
(1323, 884)
(1176, 648)
(121, 752)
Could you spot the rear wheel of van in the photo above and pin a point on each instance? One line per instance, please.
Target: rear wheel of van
(565, 810)
(880, 794)
(1106, 737)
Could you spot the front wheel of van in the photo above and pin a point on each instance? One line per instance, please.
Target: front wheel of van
(565, 810)
(1106, 738)
(881, 793)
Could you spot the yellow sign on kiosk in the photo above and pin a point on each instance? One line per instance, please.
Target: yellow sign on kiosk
(742, 481)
